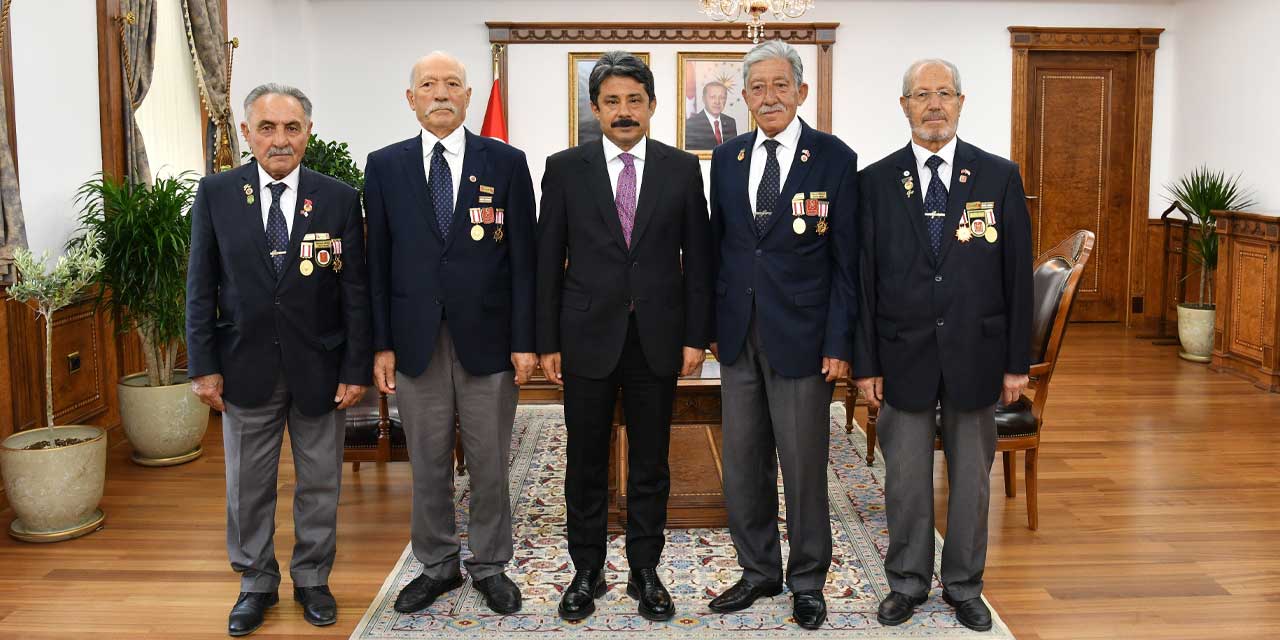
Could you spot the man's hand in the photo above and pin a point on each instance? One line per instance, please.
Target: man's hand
(1014, 385)
(872, 389)
(348, 394)
(209, 390)
(551, 367)
(834, 368)
(524, 364)
(715, 350)
(384, 371)
(692, 358)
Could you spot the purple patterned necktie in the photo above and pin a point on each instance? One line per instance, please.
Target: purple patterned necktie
(625, 200)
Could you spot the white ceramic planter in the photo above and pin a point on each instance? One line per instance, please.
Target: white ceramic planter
(1195, 331)
(164, 424)
(55, 492)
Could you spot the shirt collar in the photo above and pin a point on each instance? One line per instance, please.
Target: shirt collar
(453, 143)
(290, 181)
(612, 150)
(947, 152)
(713, 118)
(788, 138)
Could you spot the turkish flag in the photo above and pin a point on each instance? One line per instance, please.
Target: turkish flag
(495, 123)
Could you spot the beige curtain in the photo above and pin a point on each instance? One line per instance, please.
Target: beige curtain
(13, 232)
(138, 47)
(208, 42)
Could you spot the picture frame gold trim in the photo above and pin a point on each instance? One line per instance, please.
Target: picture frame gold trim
(574, 58)
(697, 56)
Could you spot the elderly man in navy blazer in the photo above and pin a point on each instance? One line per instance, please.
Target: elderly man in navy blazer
(783, 206)
(451, 242)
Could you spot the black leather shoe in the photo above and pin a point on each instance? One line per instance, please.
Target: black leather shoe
(318, 606)
(246, 616)
(743, 595)
(422, 591)
(809, 608)
(500, 593)
(655, 602)
(972, 613)
(898, 608)
(579, 599)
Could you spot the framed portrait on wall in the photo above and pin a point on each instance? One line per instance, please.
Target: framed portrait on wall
(709, 86)
(583, 126)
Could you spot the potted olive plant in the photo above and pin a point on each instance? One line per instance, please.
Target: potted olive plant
(54, 476)
(1200, 193)
(144, 234)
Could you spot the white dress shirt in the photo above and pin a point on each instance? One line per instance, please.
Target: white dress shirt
(787, 139)
(614, 164)
(455, 145)
(288, 199)
(947, 153)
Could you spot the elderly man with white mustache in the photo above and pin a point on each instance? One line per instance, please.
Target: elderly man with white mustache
(451, 244)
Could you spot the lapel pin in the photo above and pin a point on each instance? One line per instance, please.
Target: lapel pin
(804, 155)
(742, 153)
(471, 178)
(964, 175)
(306, 207)
(248, 194)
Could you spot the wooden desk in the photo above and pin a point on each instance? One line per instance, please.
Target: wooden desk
(1247, 323)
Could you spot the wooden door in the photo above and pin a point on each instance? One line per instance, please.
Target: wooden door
(1079, 165)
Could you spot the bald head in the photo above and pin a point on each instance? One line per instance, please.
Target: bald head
(437, 60)
(438, 93)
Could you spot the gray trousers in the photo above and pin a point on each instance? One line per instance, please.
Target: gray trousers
(770, 419)
(251, 438)
(486, 408)
(969, 443)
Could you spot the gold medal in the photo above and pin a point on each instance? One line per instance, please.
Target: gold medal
(822, 226)
(305, 267)
(477, 232)
(991, 234)
(963, 234)
(798, 226)
(497, 234)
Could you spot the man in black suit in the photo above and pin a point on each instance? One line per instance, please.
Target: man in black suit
(451, 241)
(784, 202)
(711, 126)
(278, 337)
(944, 321)
(630, 310)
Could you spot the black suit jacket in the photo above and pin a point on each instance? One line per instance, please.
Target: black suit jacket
(583, 308)
(962, 319)
(252, 326)
(802, 286)
(699, 135)
(417, 278)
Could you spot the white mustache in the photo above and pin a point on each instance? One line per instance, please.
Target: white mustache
(772, 108)
(442, 106)
(279, 151)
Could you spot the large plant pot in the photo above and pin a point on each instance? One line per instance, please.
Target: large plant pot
(55, 492)
(1195, 331)
(164, 424)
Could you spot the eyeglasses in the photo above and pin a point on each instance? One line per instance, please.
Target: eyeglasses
(921, 97)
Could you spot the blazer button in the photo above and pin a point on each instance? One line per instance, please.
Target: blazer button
(436, 300)
(444, 261)
(635, 264)
(750, 291)
(937, 278)
(759, 252)
(939, 322)
(277, 302)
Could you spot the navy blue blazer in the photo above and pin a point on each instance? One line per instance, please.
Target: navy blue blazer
(252, 326)
(802, 285)
(484, 287)
(960, 320)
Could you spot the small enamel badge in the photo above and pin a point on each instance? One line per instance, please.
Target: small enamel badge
(306, 207)
(964, 175)
(742, 153)
(908, 185)
(471, 178)
(804, 155)
(248, 194)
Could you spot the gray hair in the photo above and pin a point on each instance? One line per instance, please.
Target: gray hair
(274, 89)
(769, 50)
(619, 64)
(413, 70)
(909, 77)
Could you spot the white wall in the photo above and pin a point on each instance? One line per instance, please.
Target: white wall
(169, 117)
(353, 58)
(55, 94)
(1228, 87)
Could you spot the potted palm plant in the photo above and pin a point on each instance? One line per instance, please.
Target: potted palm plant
(144, 234)
(1200, 193)
(54, 476)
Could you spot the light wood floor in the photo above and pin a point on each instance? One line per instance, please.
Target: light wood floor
(1159, 518)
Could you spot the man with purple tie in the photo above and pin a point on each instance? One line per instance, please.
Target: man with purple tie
(624, 302)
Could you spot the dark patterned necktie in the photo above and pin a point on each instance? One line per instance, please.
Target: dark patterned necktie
(770, 185)
(935, 203)
(625, 200)
(441, 189)
(277, 230)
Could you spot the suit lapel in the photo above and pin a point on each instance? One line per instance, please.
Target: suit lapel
(650, 186)
(416, 173)
(598, 177)
(795, 177)
(307, 183)
(905, 160)
(253, 215)
(744, 181)
(473, 165)
(957, 195)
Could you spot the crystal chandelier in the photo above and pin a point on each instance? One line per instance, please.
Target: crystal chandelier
(753, 10)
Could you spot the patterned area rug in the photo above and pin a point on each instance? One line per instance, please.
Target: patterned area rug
(696, 564)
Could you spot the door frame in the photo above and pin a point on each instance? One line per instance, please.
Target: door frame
(1142, 43)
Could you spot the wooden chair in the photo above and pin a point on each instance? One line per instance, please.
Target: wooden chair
(374, 434)
(1018, 426)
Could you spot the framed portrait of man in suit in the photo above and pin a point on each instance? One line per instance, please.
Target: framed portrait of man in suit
(709, 86)
(583, 126)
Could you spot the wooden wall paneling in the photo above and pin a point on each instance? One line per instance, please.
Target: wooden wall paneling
(1247, 323)
(110, 88)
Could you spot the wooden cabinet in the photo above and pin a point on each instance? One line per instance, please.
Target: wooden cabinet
(1247, 324)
